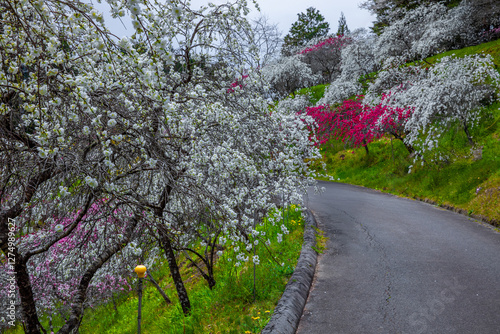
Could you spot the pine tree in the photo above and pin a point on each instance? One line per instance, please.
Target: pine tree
(343, 29)
(309, 25)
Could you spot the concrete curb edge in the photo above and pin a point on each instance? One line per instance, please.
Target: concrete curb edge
(288, 312)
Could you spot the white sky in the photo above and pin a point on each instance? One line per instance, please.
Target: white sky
(282, 12)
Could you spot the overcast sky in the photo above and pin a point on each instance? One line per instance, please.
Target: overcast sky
(282, 12)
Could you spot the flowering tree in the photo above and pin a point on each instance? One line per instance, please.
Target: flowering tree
(424, 31)
(452, 92)
(325, 120)
(324, 55)
(295, 104)
(358, 123)
(358, 57)
(289, 74)
(75, 267)
(345, 122)
(394, 76)
(392, 120)
(146, 122)
(451, 31)
(340, 90)
(483, 13)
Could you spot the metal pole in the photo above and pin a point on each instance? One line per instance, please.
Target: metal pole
(139, 290)
(254, 273)
(254, 280)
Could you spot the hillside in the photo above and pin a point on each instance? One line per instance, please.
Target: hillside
(468, 181)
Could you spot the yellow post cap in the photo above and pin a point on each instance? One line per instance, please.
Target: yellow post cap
(140, 271)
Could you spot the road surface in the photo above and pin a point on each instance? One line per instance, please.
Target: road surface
(395, 265)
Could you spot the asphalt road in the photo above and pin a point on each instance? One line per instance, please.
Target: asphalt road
(395, 265)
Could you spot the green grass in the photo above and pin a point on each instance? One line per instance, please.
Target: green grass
(492, 48)
(315, 93)
(228, 308)
(321, 241)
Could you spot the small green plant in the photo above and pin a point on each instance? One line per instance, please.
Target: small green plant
(321, 240)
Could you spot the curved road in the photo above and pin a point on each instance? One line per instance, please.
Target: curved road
(395, 265)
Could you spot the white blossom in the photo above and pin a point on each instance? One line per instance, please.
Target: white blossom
(91, 181)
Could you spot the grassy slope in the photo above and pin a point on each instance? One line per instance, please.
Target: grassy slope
(473, 186)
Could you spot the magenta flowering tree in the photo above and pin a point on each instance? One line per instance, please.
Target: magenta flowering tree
(348, 122)
(325, 120)
(324, 56)
(353, 123)
(237, 83)
(359, 124)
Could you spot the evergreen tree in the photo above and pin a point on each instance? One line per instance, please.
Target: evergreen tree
(309, 25)
(343, 29)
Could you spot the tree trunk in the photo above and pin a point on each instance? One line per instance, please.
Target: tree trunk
(160, 290)
(408, 147)
(166, 244)
(27, 300)
(30, 316)
(174, 272)
(366, 147)
(77, 309)
(209, 275)
(467, 133)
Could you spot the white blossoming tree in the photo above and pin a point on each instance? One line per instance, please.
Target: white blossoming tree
(451, 93)
(424, 31)
(358, 57)
(149, 123)
(339, 90)
(288, 74)
(357, 60)
(294, 105)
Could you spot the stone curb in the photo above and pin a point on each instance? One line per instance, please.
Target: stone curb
(288, 312)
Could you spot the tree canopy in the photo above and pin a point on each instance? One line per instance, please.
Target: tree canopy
(308, 26)
(117, 150)
(343, 29)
